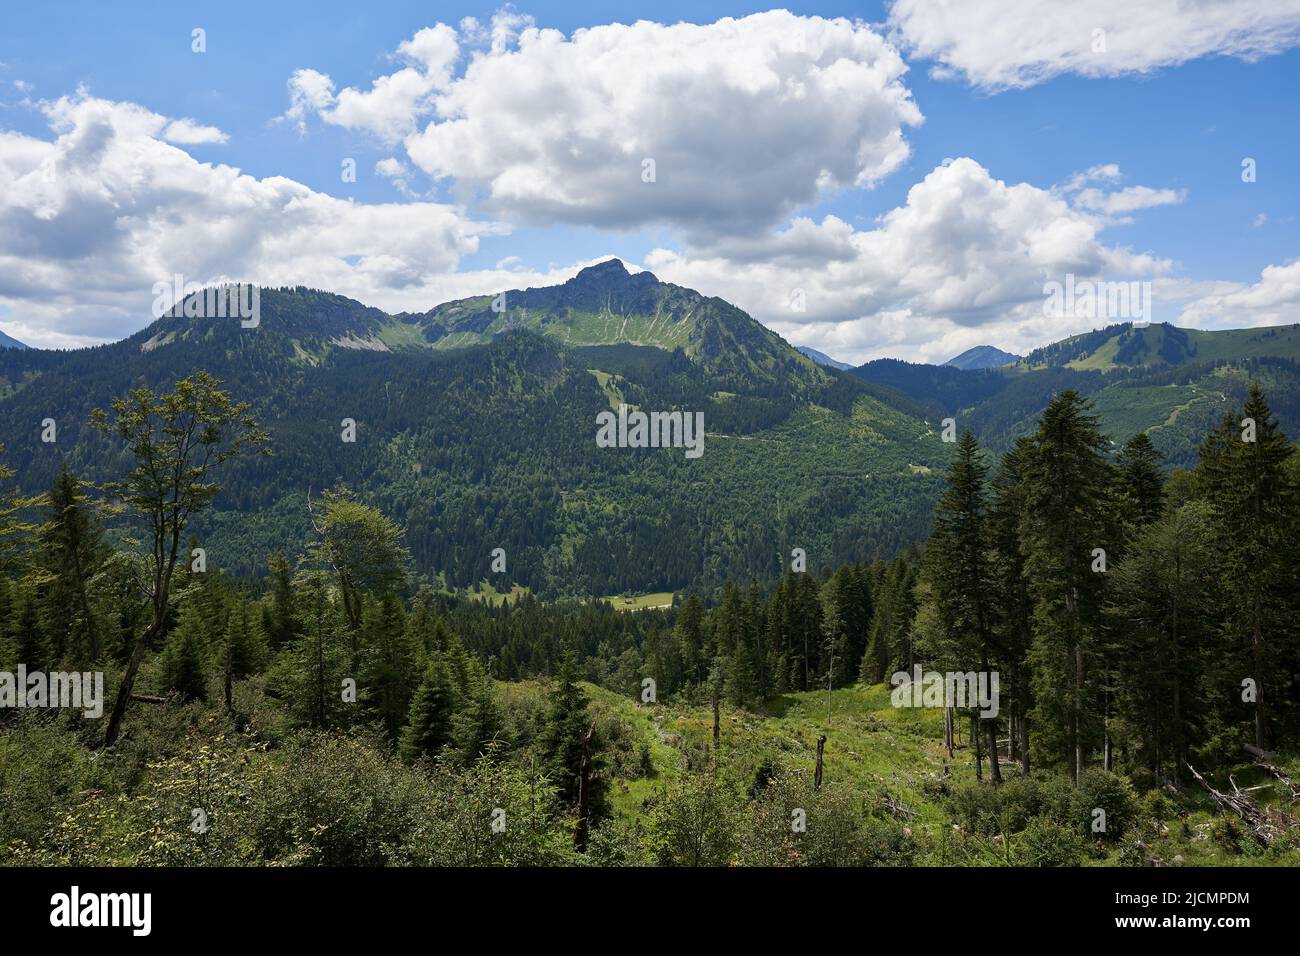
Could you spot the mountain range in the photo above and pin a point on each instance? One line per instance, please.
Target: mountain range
(9, 342)
(476, 426)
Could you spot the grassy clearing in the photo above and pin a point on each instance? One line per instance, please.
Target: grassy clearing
(640, 602)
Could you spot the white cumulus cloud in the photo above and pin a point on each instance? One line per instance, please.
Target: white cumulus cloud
(712, 128)
(92, 218)
(963, 262)
(1004, 44)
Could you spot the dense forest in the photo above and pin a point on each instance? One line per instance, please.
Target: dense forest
(338, 709)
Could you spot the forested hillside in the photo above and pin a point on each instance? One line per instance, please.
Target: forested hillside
(1174, 384)
(339, 712)
(492, 446)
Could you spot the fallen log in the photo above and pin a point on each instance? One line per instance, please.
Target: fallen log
(1243, 806)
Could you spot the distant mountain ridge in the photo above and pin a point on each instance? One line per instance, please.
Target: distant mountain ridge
(821, 358)
(1175, 384)
(8, 342)
(982, 356)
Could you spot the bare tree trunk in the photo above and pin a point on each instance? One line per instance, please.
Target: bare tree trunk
(995, 772)
(581, 834)
(947, 730)
(124, 689)
(1078, 714)
(1024, 743)
(1179, 756)
(1256, 640)
(817, 774)
(717, 722)
(1107, 760)
(975, 742)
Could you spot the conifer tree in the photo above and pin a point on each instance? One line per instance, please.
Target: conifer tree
(389, 663)
(480, 723)
(1244, 475)
(71, 552)
(1065, 520)
(181, 664)
(1141, 479)
(961, 575)
(429, 727)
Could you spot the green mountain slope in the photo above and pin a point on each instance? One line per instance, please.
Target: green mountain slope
(1173, 383)
(493, 445)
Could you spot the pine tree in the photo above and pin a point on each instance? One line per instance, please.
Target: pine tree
(1142, 481)
(181, 664)
(1065, 519)
(1243, 474)
(389, 663)
(961, 575)
(71, 552)
(429, 727)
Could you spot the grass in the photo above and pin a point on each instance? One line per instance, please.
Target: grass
(640, 602)
(485, 592)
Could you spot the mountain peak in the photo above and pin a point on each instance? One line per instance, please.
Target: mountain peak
(610, 268)
(8, 342)
(982, 357)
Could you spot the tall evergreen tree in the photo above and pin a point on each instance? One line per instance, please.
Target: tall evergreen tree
(1244, 475)
(1141, 479)
(961, 574)
(433, 708)
(71, 552)
(1065, 530)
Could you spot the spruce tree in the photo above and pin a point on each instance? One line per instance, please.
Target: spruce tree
(1065, 520)
(1244, 475)
(1142, 481)
(70, 554)
(429, 727)
(961, 575)
(181, 664)
(389, 663)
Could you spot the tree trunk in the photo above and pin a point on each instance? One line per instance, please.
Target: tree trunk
(1024, 743)
(584, 794)
(717, 722)
(1179, 756)
(128, 682)
(1256, 640)
(817, 774)
(1078, 714)
(975, 742)
(995, 772)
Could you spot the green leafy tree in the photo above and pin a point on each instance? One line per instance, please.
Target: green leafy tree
(178, 441)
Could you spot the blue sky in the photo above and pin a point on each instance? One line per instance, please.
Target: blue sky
(1161, 108)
